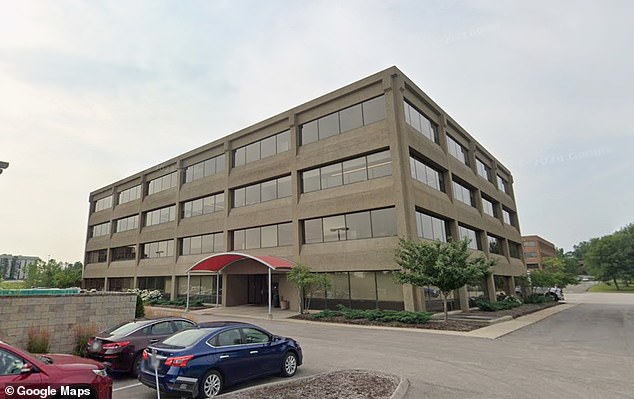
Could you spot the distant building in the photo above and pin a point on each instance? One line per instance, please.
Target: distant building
(536, 249)
(13, 267)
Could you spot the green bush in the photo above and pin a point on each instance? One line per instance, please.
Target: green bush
(38, 340)
(82, 334)
(537, 298)
(139, 312)
(509, 302)
(383, 316)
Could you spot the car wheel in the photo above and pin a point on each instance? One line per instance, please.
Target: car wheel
(136, 366)
(289, 366)
(210, 385)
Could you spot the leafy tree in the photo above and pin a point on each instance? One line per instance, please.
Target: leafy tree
(611, 257)
(307, 283)
(53, 274)
(447, 266)
(558, 271)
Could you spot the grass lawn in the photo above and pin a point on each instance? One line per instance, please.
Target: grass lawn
(603, 287)
(12, 285)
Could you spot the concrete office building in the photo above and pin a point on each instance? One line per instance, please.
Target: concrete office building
(536, 249)
(331, 184)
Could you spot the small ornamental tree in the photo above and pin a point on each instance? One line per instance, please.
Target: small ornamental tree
(447, 266)
(307, 282)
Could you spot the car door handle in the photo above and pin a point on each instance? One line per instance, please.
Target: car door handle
(153, 341)
(253, 352)
(224, 356)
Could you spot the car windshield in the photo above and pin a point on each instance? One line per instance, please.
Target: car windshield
(186, 338)
(124, 329)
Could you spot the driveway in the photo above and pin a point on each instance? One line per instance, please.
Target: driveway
(583, 352)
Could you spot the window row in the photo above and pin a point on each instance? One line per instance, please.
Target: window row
(427, 174)
(99, 230)
(203, 206)
(420, 122)
(341, 121)
(276, 235)
(262, 192)
(203, 244)
(162, 215)
(162, 183)
(130, 194)
(157, 249)
(205, 168)
(351, 226)
(262, 149)
(354, 170)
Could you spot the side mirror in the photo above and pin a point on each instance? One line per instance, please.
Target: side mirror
(26, 369)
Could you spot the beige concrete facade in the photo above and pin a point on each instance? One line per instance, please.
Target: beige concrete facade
(398, 190)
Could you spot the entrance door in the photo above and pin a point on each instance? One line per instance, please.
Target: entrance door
(258, 293)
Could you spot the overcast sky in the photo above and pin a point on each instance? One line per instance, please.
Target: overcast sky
(92, 92)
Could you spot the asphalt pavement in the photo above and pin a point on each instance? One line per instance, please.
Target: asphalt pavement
(583, 351)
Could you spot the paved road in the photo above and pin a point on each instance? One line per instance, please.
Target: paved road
(586, 351)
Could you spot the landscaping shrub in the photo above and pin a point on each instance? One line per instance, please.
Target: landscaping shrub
(82, 334)
(383, 316)
(38, 340)
(509, 302)
(139, 311)
(538, 298)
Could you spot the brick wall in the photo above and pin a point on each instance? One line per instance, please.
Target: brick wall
(60, 314)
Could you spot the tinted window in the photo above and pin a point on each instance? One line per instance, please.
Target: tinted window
(186, 338)
(123, 329)
(313, 231)
(373, 110)
(351, 118)
(309, 132)
(253, 336)
(379, 165)
(10, 364)
(182, 325)
(228, 338)
(383, 222)
(162, 328)
(328, 126)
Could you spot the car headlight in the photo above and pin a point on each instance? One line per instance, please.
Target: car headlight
(100, 372)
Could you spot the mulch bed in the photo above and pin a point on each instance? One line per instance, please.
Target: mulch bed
(434, 324)
(346, 384)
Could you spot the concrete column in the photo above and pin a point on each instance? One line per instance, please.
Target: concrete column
(105, 284)
(413, 299)
(463, 298)
(489, 288)
(173, 290)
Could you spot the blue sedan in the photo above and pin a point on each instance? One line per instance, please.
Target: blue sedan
(200, 362)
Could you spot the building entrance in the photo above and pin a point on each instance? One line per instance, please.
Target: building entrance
(258, 289)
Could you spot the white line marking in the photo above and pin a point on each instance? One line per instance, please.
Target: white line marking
(127, 386)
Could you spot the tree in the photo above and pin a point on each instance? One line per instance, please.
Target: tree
(557, 271)
(611, 257)
(53, 274)
(447, 266)
(307, 283)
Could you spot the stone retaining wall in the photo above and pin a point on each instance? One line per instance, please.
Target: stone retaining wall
(60, 316)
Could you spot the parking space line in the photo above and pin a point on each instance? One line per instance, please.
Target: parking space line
(126, 387)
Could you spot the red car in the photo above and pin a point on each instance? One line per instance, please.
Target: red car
(23, 375)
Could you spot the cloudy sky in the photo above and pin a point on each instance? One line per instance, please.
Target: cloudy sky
(91, 92)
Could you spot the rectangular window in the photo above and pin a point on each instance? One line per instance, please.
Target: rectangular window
(103, 203)
(457, 150)
(420, 122)
(488, 207)
(463, 194)
(503, 185)
(351, 226)
(162, 183)
(130, 194)
(355, 170)
(100, 230)
(531, 254)
(427, 174)
(471, 235)
(483, 170)
(158, 249)
(168, 214)
(202, 244)
(431, 227)
(262, 192)
(508, 217)
(261, 149)
(341, 121)
(208, 167)
(129, 223)
(123, 253)
(515, 250)
(99, 256)
(275, 235)
(529, 243)
(495, 244)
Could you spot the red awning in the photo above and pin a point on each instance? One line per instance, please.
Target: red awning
(217, 262)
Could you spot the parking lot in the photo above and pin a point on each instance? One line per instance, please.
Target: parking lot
(586, 351)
